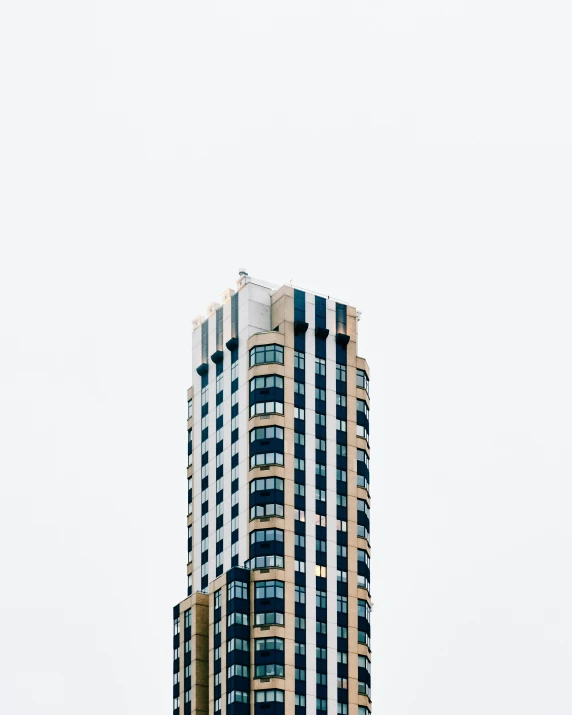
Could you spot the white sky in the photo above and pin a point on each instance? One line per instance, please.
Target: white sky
(412, 158)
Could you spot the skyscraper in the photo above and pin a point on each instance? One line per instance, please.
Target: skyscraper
(277, 614)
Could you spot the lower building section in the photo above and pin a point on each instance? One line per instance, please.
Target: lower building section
(249, 647)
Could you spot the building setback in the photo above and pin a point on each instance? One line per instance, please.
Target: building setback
(277, 614)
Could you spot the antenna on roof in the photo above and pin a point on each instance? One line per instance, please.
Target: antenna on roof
(242, 272)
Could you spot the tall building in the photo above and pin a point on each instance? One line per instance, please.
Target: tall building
(277, 613)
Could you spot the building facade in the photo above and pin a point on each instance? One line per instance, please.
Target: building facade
(277, 613)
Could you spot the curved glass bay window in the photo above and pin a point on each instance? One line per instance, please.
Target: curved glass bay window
(266, 549)
(266, 497)
(362, 469)
(263, 354)
(269, 702)
(267, 395)
(363, 519)
(269, 658)
(266, 446)
(269, 603)
(363, 569)
(362, 418)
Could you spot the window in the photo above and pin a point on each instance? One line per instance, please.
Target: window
(299, 360)
(361, 406)
(320, 520)
(187, 671)
(320, 546)
(266, 535)
(343, 576)
(239, 618)
(218, 598)
(363, 710)
(300, 514)
(265, 354)
(300, 673)
(299, 648)
(176, 678)
(266, 484)
(321, 653)
(269, 670)
(342, 525)
(234, 371)
(257, 460)
(266, 408)
(320, 366)
(299, 622)
(266, 381)
(320, 394)
(320, 445)
(321, 679)
(343, 683)
(299, 464)
(361, 431)
(269, 589)
(204, 395)
(219, 383)
(363, 556)
(321, 704)
(342, 632)
(176, 626)
(269, 644)
(341, 500)
(341, 550)
(266, 433)
(342, 657)
(342, 602)
(299, 413)
(320, 419)
(237, 644)
(341, 475)
(300, 566)
(299, 388)
(321, 470)
(238, 696)
(340, 372)
(237, 589)
(269, 619)
(321, 599)
(300, 700)
(300, 594)
(341, 425)
(299, 489)
(240, 670)
(270, 509)
(341, 400)
(320, 495)
(342, 709)
(188, 618)
(363, 506)
(364, 609)
(364, 662)
(269, 696)
(299, 540)
(362, 379)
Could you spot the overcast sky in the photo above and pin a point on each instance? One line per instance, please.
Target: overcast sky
(411, 158)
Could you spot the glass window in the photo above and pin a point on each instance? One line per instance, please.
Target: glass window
(320, 366)
(266, 354)
(269, 589)
(362, 380)
(299, 360)
(341, 372)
